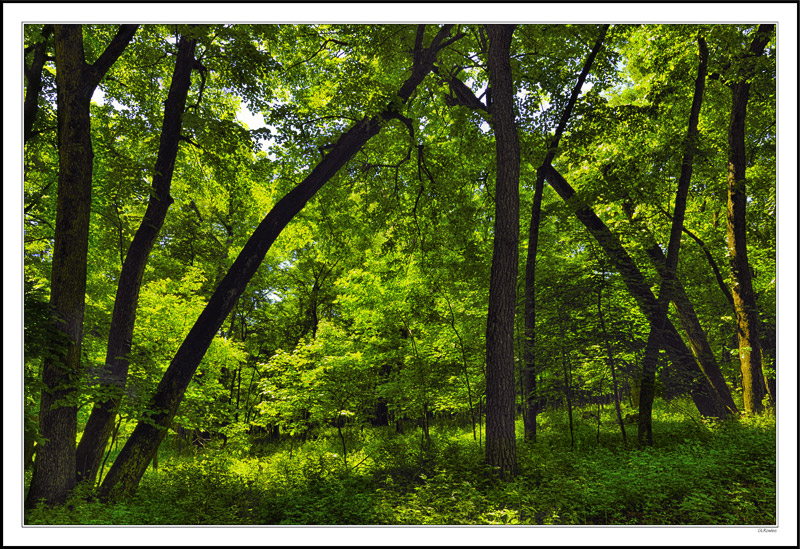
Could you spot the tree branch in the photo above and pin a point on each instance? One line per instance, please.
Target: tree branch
(111, 54)
(562, 123)
(711, 261)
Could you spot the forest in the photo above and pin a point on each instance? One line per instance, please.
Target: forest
(400, 274)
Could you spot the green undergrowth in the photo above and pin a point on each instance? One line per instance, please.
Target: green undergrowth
(696, 473)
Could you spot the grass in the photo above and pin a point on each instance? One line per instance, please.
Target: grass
(696, 473)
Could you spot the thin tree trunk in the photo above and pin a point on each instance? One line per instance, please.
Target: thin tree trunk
(668, 281)
(54, 473)
(529, 375)
(568, 395)
(123, 319)
(238, 392)
(132, 461)
(464, 363)
(747, 320)
(155, 459)
(111, 445)
(501, 450)
(611, 363)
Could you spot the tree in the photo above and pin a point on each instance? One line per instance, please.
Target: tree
(53, 476)
(666, 291)
(33, 75)
(223, 302)
(682, 360)
(695, 334)
(747, 320)
(101, 420)
(529, 374)
(501, 448)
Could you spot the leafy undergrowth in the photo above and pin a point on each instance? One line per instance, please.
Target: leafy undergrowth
(696, 473)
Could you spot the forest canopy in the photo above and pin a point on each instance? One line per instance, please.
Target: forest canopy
(241, 239)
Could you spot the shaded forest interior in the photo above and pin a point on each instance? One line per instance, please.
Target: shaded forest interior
(348, 274)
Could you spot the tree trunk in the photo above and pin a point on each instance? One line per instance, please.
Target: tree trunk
(568, 395)
(54, 473)
(529, 354)
(115, 372)
(611, 363)
(127, 470)
(501, 450)
(529, 372)
(681, 358)
(668, 280)
(747, 320)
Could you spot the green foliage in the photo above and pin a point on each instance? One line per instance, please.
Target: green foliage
(370, 307)
(725, 475)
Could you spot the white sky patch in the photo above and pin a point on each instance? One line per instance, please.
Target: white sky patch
(99, 97)
(255, 121)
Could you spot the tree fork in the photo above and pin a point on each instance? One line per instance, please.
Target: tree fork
(54, 472)
(698, 342)
(638, 287)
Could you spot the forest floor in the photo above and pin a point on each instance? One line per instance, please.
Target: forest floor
(695, 474)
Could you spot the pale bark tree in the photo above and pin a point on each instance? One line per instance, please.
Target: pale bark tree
(747, 321)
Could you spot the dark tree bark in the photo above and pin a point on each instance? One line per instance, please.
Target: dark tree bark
(501, 448)
(127, 470)
(681, 358)
(744, 301)
(54, 471)
(115, 372)
(529, 372)
(33, 74)
(668, 280)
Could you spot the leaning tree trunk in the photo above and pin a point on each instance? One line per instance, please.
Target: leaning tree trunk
(681, 358)
(529, 372)
(54, 470)
(668, 281)
(115, 373)
(747, 321)
(130, 465)
(698, 342)
(501, 448)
